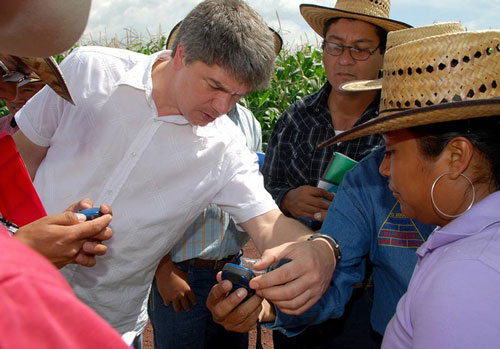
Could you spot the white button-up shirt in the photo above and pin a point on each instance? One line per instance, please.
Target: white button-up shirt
(157, 172)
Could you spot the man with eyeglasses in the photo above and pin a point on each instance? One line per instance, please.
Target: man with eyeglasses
(354, 35)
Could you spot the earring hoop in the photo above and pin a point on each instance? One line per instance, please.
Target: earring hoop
(446, 214)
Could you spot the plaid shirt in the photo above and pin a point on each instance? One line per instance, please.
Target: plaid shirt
(292, 159)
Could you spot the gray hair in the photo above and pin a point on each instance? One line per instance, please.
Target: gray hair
(230, 34)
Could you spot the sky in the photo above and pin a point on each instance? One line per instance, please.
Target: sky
(147, 18)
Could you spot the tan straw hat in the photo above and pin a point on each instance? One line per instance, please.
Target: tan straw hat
(436, 79)
(372, 11)
(47, 70)
(278, 41)
(399, 37)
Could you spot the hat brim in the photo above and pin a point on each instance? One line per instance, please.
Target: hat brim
(48, 70)
(316, 16)
(397, 120)
(361, 85)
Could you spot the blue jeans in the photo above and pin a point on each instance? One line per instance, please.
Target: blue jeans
(193, 329)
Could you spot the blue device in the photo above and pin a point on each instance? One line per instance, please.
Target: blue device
(239, 277)
(91, 213)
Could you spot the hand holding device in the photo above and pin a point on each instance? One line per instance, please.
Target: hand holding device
(239, 277)
(91, 213)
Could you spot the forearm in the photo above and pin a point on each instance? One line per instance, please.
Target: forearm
(31, 153)
(273, 228)
(165, 266)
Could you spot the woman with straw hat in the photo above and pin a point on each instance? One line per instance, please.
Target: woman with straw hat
(440, 118)
(354, 33)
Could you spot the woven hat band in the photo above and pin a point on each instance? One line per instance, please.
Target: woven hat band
(426, 72)
(379, 8)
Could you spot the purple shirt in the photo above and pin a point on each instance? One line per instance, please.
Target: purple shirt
(453, 300)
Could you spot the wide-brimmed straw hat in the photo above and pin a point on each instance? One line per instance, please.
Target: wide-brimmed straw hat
(278, 41)
(399, 37)
(372, 11)
(436, 79)
(46, 69)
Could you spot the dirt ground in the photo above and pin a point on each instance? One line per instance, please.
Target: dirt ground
(249, 251)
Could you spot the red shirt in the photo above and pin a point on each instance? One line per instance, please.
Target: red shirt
(38, 308)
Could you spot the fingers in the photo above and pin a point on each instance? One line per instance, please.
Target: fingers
(220, 305)
(245, 317)
(85, 260)
(80, 205)
(92, 228)
(94, 248)
(293, 310)
(176, 305)
(280, 276)
(289, 297)
(218, 292)
(192, 297)
(320, 216)
(103, 235)
(106, 209)
(65, 218)
(228, 312)
(185, 303)
(265, 261)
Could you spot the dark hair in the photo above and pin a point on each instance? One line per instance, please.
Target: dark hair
(231, 34)
(482, 132)
(381, 33)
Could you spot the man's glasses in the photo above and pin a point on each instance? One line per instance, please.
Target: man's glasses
(358, 54)
(15, 76)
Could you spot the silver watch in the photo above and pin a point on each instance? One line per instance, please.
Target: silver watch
(335, 245)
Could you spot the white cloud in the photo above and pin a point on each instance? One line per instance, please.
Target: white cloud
(109, 18)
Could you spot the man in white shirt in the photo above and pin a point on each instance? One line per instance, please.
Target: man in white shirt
(148, 135)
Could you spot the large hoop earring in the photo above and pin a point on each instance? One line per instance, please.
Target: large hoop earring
(452, 215)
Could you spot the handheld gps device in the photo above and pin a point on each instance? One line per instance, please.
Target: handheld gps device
(239, 277)
(91, 213)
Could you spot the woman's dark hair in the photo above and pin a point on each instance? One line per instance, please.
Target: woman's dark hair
(381, 33)
(484, 134)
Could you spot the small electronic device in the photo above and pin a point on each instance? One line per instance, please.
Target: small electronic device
(239, 277)
(91, 213)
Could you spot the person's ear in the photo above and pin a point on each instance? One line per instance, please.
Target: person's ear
(460, 151)
(179, 57)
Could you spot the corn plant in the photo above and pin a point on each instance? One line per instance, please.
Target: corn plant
(297, 74)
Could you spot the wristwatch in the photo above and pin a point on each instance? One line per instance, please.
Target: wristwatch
(335, 245)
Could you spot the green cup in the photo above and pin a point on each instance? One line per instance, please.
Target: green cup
(338, 167)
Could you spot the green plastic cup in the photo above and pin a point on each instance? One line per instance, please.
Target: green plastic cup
(338, 168)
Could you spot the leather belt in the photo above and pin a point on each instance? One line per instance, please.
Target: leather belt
(211, 264)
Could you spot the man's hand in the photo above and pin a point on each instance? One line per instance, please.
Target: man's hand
(295, 286)
(307, 201)
(93, 247)
(67, 238)
(173, 285)
(226, 308)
